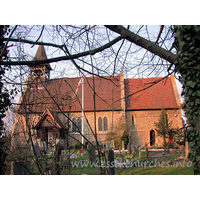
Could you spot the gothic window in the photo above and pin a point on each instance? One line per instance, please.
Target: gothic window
(100, 124)
(79, 121)
(74, 125)
(105, 124)
(133, 123)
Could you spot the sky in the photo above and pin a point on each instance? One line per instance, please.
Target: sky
(67, 69)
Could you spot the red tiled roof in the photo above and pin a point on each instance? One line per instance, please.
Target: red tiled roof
(61, 89)
(158, 96)
(54, 119)
(108, 95)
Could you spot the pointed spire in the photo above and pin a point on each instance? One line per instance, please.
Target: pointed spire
(40, 54)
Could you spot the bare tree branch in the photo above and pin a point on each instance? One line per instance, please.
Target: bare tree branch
(153, 48)
(32, 42)
(160, 32)
(56, 59)
(39, 35)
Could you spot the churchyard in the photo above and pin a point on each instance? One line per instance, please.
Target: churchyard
(123, 162)
(169, 164)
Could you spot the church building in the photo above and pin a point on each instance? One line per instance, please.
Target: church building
(51, 110)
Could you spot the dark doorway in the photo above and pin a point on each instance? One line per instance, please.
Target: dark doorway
(152, 138)
(171, 141)
(46, 135)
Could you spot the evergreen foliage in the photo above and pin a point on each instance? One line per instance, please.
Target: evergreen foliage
(187, 43)
(163, 127)
(125, 138)
(4, 99)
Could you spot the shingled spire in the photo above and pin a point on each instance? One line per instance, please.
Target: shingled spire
(41, 55)
(40, 73)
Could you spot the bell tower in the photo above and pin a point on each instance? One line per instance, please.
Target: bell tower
(39, 74)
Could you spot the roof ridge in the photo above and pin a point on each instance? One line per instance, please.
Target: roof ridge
(160, 77)
(117, 76)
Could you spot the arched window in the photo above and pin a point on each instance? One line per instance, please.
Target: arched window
(79, 123)
(100, 124)
(74, 125)
(152, 138)
(133, 122)
(105, 124)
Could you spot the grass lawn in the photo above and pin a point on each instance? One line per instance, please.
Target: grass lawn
(139, 171)
(158, 171)
(172, 168)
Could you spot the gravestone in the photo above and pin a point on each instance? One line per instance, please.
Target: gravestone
(111, 145)
(132, 149)
(107, 146)
(129, 149)
(92, 155)
(57, 152)
(139, 152)
(111, 168)
(57, 169)
(45, 147)
(74, 155)
(121, 159)
(20, 168)
(147, 152)
(122, 145)
(37, 149)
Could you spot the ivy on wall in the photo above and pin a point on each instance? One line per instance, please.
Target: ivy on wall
(187, 43)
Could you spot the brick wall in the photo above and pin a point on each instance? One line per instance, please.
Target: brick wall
(139, 132)
(114, 118)
(144, 124)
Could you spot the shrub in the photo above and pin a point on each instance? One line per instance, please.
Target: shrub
(77, 145)
(125, 138)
